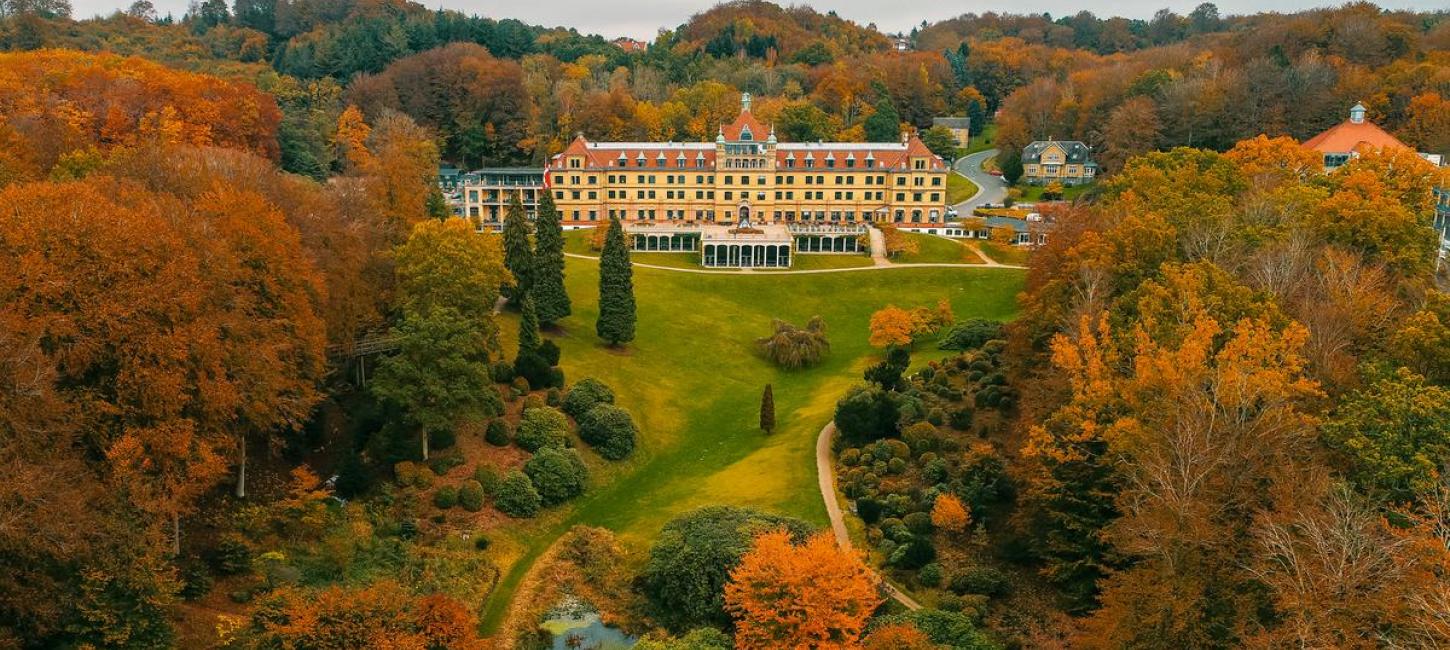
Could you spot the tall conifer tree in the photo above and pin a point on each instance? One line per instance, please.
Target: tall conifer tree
(767, 410)
(528, 327)
(551, 301)
(518, 253)
(616, 289)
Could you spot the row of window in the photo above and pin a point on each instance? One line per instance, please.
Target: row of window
(788, 216)
(680, 179)
(787, 195)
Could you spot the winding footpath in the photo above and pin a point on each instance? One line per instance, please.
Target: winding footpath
(826, 476)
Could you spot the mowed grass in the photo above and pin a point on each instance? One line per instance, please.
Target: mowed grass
(693, 382)
(932, 249)
(959, 188)
(1003, 253)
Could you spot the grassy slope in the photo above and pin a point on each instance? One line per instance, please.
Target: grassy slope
(959, 188)
(1004, 254)
(984, 141)
(1033, 193)
(693, 385)
(937, 250)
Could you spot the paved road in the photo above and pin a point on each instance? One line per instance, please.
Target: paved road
(826, 476)
(991, 189)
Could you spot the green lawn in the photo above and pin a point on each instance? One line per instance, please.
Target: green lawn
(1004, 254)
(937, 250)
(984, 141)
(693, 383)
(809, 261)
(1033, 193)
(959, 188)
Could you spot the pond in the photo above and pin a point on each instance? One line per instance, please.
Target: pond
(575, 625)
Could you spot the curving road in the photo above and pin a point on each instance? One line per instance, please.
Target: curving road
(991, 189)
(826, 476)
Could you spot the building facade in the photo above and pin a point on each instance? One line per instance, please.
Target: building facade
(748, 176)
(1064, 161)
(1344, 141)
(961, 128)
(483, 195)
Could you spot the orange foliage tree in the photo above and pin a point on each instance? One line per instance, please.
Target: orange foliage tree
(897, 636)
(62, 105)
(382, 615)
(815, 595)
(950, 515)
(892, 325)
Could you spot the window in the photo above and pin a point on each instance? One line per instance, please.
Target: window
(900, 180)
(901, 196)
(810, 180)
(919, 163)
(831, 162)
(729, 180)
(850, 162)
(820, 180)
(574, 163)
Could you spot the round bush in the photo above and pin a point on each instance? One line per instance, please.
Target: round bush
(930, 575)
(502, 372)
(497, 433)
(868, 510)
(481, 543)
(610, 430)
(553, 398)
(896, 466)
(470, 495)
(232, 555)
(918, 522)
(557, 474)
(850, 457)
(533, 402)
(982, 580)
(542, 427)
(446, 497)
(585, 395)
(516, 496)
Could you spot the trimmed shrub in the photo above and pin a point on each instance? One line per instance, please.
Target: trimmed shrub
(470, 495)
(481, 543)
(970, 334)
(930, 575)
(488, 477)
(850, 457)
(497, 433)
(538, 372)
(553, 398)
(542, 427)
(533, 402)
(446, 497)
(610, 430)
(442, 439)
(918, 522)
(516, 496)
(896, 466)
(982, 580)
(442, 465)
(557, 474)
(502, 372)
(868, 413)
(585, 395)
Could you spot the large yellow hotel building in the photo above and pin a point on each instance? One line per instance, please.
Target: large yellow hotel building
(747, 177)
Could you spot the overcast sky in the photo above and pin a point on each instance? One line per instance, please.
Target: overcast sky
(643, 18)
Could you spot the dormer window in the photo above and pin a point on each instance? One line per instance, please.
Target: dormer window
(623, 162)
(746, 135)
(640, 161)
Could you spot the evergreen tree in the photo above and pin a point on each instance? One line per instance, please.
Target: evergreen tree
(528, 328)
(550, 299)
(885, 124)
(767, 410)
(616, 289)
(518, 254)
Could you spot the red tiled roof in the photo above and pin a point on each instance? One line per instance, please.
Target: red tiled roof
(732, 131)
(1349, 136)
(683, 155)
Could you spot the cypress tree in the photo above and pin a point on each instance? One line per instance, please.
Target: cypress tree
(550, 299)
(767, 410)
(518, 254)
(616, 289)
(528, 327)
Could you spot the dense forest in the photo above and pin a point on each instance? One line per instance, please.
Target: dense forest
(1221, 420)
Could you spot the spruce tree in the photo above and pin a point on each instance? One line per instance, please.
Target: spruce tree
(550, 299)
(885, 124)
(616, 289)
(767, 410)
(518, 254)
(528, 327)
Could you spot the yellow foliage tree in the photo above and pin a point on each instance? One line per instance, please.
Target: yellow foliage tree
(892, 326)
